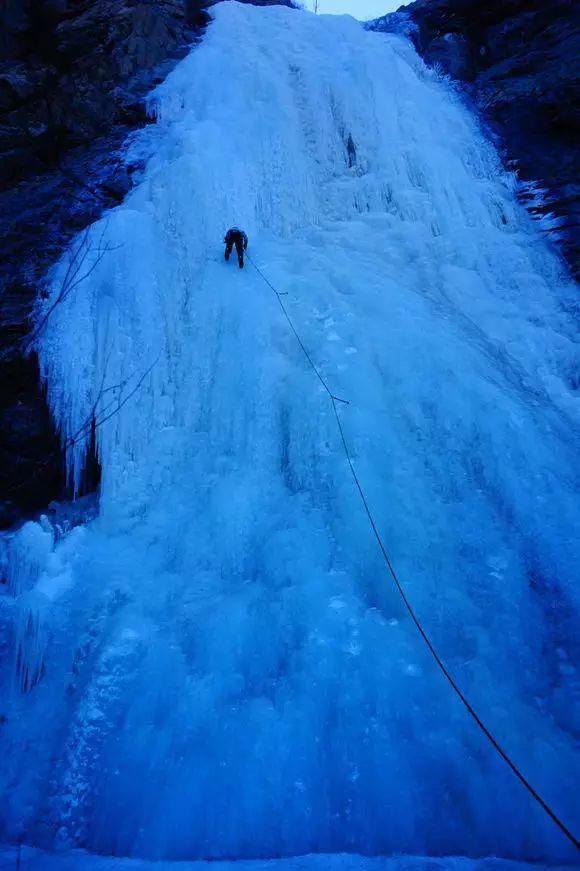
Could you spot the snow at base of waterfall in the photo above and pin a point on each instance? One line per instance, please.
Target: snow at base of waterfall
(217, 665)
(37, 860)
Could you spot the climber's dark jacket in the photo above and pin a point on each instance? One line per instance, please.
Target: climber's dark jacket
(240, 240)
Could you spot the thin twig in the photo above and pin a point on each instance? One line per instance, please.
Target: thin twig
(91, 421)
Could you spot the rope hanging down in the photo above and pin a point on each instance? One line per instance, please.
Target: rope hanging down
(298, 339)
(443, 668)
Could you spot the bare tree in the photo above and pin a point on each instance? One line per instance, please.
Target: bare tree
(109, 402)
(83, 259)
(316, 5)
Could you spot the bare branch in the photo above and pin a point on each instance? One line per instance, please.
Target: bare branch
(77, 271)
(72, 279)
(103, 420)
(96, 418)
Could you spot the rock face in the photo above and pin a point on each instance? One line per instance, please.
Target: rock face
(73, 74)
(520, 62)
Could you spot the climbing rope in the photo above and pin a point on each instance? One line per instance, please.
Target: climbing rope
(335, 400)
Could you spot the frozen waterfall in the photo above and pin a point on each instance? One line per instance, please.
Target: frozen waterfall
(218, 665)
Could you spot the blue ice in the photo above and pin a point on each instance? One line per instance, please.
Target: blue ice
(218, 666)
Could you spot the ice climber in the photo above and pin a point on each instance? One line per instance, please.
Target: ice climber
(240, 240)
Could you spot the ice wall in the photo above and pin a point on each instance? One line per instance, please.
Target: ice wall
(225, 670)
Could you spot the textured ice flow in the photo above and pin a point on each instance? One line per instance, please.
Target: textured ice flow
(218, 666)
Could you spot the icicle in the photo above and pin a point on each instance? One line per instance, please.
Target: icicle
(31, 640)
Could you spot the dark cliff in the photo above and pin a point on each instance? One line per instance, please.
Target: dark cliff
(520, 63)
(73, 75)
